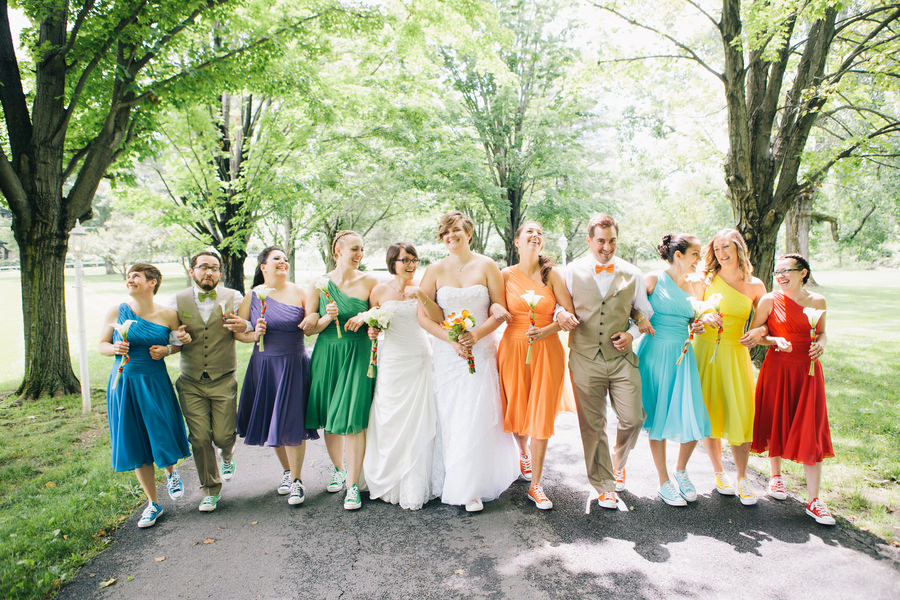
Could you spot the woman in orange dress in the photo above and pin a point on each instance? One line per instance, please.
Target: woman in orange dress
(532, 392)
(791, 416)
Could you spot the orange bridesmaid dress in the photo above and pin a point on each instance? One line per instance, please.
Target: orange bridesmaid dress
(532, 394)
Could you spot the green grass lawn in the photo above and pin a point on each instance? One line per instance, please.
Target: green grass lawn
(59, 498)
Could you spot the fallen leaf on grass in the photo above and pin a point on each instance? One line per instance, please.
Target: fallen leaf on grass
(60, 408)
(108, 582)
(159, 558)
(50, 484)
(209, 540)
(100, 533)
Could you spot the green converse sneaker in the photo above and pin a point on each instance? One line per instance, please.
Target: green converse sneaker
(208, 504)
(337, 480)
(352, 500)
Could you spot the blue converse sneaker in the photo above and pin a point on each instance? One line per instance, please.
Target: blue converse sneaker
(297, 493)
(687, 489)
(285, 486)
(150, 515)
(174, 485)
(670, 494)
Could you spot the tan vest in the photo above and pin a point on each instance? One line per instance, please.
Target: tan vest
(601, 316)
(212, 346)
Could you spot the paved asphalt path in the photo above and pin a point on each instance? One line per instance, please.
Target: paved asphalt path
(256, 546)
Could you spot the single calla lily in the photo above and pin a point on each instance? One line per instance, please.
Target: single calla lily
(262, 292)
(531, 299)
(700, 308)
(122, 328)
(322, 285)
(813, 315)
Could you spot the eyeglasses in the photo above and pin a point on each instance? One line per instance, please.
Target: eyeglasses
(205, 268)
(784, 272)
(408, 261)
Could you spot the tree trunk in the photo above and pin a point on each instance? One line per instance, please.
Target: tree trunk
(233, 267)
(797, 224)
(290, 246)
(48, 367)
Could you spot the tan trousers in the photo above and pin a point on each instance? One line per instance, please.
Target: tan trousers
(209, 407)
(591, 380)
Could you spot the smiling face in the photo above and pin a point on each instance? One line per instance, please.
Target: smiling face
(687, 262)
(456, 237)
(789, 274)
(603, 244)
(531, 235)
(405, 265)
(206, 272)
(349, 251)
(137, 283)
(276, 265)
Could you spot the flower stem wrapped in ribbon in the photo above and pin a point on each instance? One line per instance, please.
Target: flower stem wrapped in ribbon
(379, 318)
(223, 304)
(262, 292)
(122, 328)
(715, 304)
(456, 325)
(531, 299)
(701, 307)
(322, 286)
(813, 314)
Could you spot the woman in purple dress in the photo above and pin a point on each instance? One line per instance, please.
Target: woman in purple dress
(272, 408)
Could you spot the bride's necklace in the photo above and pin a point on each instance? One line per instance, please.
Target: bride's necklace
(462, 266)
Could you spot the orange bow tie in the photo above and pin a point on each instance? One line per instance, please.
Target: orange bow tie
(610, 268)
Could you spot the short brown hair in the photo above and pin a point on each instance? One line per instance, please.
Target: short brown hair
(212, 253)
(450, 219)
(603, 221)
(148, 271)
(393, 252)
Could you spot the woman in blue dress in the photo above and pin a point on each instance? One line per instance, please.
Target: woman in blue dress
(670, 387)
(145, 421)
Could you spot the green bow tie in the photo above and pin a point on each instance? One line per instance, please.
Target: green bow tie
(211, 294)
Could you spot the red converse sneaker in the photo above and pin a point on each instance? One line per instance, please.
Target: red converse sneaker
(818, 511)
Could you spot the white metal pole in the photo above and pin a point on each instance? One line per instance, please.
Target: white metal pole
(82, 336)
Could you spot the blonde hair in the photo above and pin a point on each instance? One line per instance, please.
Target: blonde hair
(339, 236)
(711, 264)
(450, 219)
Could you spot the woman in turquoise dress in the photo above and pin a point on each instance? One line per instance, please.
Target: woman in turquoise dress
(341, 393)
(670, 384)
(145, 422)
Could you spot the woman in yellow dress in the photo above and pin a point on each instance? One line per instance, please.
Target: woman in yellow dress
(726, 374)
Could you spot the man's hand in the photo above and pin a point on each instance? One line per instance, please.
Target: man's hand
(622, 341)
(183, 336)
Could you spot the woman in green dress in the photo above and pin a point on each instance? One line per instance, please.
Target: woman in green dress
(341, 393)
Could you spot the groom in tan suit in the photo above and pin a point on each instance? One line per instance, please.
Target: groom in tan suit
(604, 289)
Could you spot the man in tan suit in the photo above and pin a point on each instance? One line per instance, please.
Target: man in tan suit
(604, 289)
(207, 386)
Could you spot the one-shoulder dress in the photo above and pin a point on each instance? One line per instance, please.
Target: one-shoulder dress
(532, 393)
(341, 392)
(400, 438)
(474, 457)
(727, 379)
(671, 391)
(791, 416)
(145, 421)
(276, 386)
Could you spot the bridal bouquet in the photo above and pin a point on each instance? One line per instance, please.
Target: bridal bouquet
(122, 328)
(813, 314)
(456, 325)
(379, 318)
(700, 307)
(531, 299)
(262, 292)
(322, 286)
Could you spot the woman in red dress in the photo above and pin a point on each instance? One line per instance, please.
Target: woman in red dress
(791, 418)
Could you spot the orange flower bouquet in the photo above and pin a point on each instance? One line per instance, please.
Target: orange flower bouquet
(456, 325)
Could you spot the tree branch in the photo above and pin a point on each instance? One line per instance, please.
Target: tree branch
(13, 191)
(76, 26)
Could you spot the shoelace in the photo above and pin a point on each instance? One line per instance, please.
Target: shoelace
(174, 483)
(525, 463)
(777, 485)
(538, 494)
(744, 489)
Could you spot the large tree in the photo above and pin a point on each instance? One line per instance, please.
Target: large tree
(98, 71)
(785, 67)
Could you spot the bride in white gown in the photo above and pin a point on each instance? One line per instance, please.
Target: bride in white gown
(475, 460)
(400, 441)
